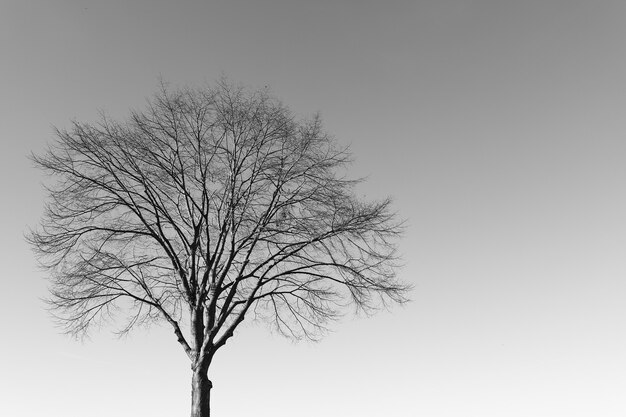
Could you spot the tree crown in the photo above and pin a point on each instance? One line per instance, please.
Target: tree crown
(216, 202)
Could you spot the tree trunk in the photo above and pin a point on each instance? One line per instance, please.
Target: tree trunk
(200, 393)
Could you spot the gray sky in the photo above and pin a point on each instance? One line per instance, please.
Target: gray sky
(497, 126)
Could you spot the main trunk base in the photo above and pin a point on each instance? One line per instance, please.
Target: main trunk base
(200, 395)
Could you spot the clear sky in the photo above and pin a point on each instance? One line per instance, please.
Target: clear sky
(499, 128)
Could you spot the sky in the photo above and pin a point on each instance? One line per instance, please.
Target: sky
(497, 127)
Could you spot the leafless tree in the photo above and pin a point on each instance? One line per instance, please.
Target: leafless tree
(211, 206)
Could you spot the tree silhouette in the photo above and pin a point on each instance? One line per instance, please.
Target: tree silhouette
(211, 206)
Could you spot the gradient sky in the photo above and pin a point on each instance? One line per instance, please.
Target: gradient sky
(498, 127)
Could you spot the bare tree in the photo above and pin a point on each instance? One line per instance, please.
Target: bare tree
(211, 206)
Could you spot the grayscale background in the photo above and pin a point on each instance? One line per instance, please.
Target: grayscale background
(499, 128)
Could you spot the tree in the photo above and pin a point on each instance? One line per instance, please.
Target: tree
(211, 206)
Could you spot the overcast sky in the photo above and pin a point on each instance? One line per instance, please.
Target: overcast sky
(499, 129)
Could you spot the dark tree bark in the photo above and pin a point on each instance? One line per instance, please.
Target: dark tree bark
(211, 206)
(200, 394)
